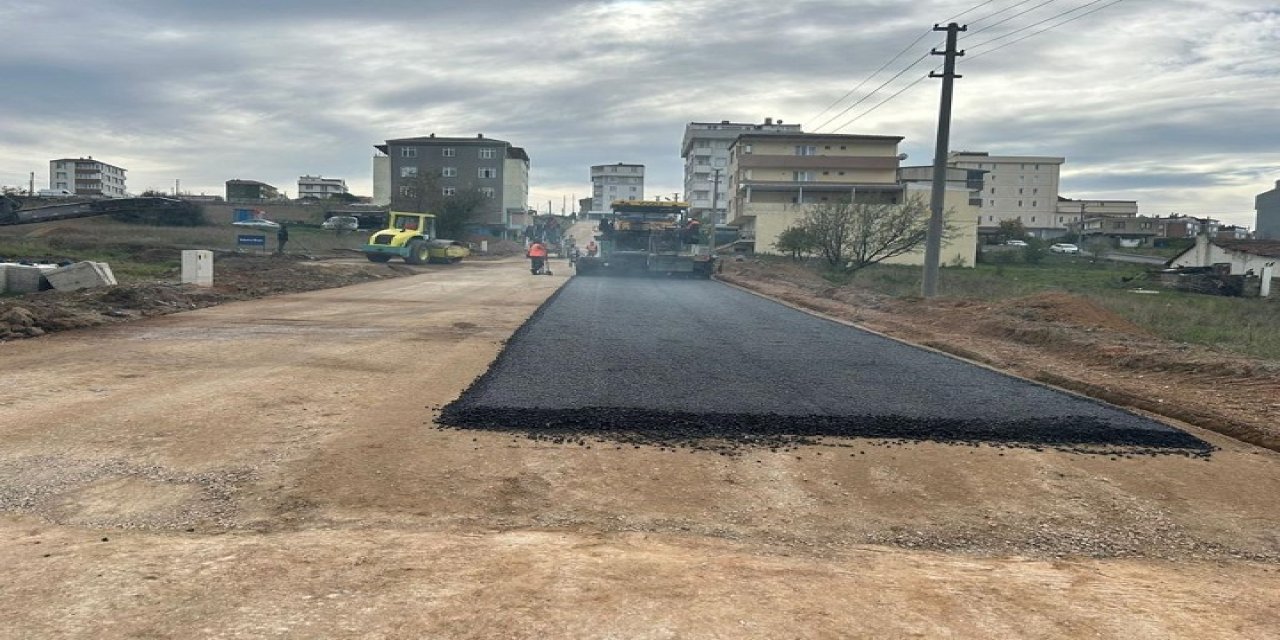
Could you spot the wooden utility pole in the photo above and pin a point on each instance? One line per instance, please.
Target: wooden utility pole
(933, 241)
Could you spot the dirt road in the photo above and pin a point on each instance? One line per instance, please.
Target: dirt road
(271, 469)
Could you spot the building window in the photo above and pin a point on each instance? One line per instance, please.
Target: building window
(802, 176)
(448, 172)
(488, 172)
(408, 152)
(1019, 203)
(406, 191)
(486, 192)
(408, 172)
(488, 154)
(746, 148)
(702, 144)
(448, 191)
(1033, 203)
(448, 152)
(1033, 218)
(993, 191)
(806, 150)
(1019, 190)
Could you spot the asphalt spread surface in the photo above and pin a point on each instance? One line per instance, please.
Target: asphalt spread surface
(662, 360)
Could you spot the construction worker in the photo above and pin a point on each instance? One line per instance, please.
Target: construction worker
(282, 237)
(537, 257)
(592, 249)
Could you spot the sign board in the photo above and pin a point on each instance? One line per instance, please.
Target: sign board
(248, 240)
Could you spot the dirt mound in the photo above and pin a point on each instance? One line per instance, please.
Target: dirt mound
(1068, 309)
(238, 277)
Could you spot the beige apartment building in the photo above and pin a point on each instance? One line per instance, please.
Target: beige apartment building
(1021, 188)
(774, 179)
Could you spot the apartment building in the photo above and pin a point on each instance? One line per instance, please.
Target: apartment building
(772, 177)
(250, 191)
(619, 181)
(320, 187)
(1267, 206)
(1179, 226)
(1023, 188)
(705, 150)
(420, 171)
(87, 177)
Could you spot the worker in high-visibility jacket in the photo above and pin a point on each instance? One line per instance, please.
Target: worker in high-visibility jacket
(537, 258)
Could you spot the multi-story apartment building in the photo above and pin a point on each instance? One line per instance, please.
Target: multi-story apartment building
(250, 191)
(321, 188)
(1073, 213)
(86, 177)
(515, 186)
(1267, 224)
(771, 177)
(619, 181)
(705, 149)
(774, 179)
(1023, 188)
(420, 171)
(1127, 231)
(1179, 226)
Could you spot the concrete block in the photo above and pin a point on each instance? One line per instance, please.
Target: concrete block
(197, 268)
(81, 275)
(21, 278)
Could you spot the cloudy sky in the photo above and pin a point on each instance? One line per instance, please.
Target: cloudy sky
(1169, 102)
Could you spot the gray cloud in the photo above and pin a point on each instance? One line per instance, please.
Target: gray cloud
(1167, 102)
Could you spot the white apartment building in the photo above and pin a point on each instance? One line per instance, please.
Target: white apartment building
(619, 181)
(1021, 188)
(515, 186)
(319, 187)
(86, 177)
(705, 150)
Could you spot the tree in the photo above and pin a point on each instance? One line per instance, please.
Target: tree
(850, 236)
(795, 241)
(1010, 229)
(423, 194)
(345, 198)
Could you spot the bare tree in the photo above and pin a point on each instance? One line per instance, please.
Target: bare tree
(850, 236)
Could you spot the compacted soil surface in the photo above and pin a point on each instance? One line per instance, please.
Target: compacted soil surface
(274, 468)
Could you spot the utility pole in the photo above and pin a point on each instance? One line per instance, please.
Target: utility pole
(933, 241)
(715, 195)
(31, 186)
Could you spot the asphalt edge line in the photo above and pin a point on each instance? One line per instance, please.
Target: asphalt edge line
(1249, 437)
(483, 380)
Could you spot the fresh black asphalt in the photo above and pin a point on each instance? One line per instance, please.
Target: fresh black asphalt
(686, 360)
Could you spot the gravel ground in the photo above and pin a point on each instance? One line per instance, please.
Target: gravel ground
(688, 361)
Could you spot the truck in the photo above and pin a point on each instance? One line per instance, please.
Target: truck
(649, 237)
(411, 236)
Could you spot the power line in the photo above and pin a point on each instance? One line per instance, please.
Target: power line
(922, 78)
(873, 92)
(1020, 13)
(996, 13)
(885, 66)
(1049, 28)
(1035, 24)
(868, 79)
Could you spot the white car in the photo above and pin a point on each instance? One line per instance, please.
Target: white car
(341, 223)
(1015, 243)
(1064, 247)
(257, 223)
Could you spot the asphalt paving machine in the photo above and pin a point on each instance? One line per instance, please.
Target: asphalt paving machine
(649, 237)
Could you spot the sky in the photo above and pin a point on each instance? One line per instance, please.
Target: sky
(1171, 103)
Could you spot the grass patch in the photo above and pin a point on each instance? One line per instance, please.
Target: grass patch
(1242, 325)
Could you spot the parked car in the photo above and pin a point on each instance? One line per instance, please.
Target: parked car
(341, 223)
(1015, 243)
(257, 223)
(1064, 247)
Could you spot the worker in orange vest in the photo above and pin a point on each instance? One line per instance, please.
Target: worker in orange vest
(538, 258)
